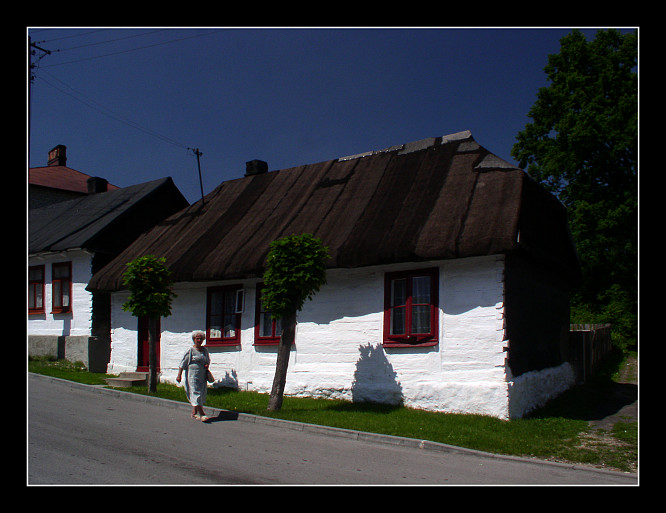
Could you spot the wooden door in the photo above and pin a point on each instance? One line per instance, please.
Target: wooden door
(143, 364)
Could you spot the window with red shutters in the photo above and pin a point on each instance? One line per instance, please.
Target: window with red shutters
(411, 308)
(36, 289)
(61, 287)
(224, 306)
(266, 329)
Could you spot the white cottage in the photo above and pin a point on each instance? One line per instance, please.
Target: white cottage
(447, 286)
(68, 242)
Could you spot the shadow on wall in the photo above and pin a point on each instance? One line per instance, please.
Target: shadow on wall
(375, 381)
(230, 380)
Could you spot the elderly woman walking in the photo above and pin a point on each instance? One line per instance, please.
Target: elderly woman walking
(195, 363)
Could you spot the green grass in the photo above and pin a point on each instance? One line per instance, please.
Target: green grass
(551, 433)
(64, 369)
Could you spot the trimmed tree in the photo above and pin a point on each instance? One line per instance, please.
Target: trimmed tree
(295, 271)
(149, 282)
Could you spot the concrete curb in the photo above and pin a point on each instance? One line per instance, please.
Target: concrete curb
(228, 415)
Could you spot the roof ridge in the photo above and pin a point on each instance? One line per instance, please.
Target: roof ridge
(413, 146)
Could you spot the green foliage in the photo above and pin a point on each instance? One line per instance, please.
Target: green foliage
(583, 145)
(150, 286)
(295, 271)
(585, 124)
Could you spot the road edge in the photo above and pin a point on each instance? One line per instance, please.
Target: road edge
(230, 415)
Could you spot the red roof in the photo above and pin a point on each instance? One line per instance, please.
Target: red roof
(61, 177)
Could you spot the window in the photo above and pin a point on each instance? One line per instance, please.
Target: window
(61, 287)
(224, 307)
(36, 289)
(266, 329)
(411, 308)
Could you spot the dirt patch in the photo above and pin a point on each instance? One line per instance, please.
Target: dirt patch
(610, 409)
(629, 371)
(621, 401)
(619, 407)
(616, 453)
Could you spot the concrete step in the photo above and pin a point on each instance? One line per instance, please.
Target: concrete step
(128, 379)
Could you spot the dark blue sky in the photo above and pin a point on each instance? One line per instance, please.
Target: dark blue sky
(128, 103)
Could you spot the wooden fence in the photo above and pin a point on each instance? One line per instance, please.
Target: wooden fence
(589, 344)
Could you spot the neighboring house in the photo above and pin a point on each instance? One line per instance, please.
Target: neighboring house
(68, 242)
(447, 287)
(56, 182)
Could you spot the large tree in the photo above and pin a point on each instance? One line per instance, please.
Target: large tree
(582, 145)
(295, 271)
(150, 286)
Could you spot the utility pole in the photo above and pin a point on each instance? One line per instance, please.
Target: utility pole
(32, 52)
(32, 47)
(198, 154)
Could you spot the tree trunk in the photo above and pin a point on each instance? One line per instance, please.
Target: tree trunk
(284, 348)
(152, 354)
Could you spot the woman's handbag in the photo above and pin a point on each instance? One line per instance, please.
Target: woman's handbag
(209, 376)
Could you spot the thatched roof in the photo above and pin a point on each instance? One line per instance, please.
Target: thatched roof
(440, 198)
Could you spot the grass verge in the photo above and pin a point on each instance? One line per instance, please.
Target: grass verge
(548, 434)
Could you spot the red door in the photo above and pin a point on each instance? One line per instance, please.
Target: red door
(143, 364)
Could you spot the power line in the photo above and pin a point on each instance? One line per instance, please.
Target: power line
(127, 51)
(98, 42)
(78, 34)
(92, 103)
(89, 102)
(102, 109)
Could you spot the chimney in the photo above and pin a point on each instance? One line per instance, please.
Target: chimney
(255, 167)
(96, 184)
(58, 156)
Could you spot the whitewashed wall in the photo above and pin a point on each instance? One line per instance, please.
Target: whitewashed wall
(535, 388)
(78, 322)
(338, 351)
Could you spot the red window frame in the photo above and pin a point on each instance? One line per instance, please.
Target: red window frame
(408, 335)
(222, 312)
(259, 313)
(35, 290)
(61, 287)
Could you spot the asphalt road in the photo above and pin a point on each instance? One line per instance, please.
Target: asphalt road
(80, 434)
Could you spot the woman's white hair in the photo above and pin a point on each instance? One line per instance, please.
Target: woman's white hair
(199, 334)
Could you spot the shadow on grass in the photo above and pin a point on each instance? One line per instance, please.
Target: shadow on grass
(590, 402)
(363, 407)
(599, 398)
(255, 403)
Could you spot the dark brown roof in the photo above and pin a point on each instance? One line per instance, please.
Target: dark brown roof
(440, 198)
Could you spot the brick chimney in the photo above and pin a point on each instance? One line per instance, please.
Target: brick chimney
(255, 167)
(58, 156)
(96, 184)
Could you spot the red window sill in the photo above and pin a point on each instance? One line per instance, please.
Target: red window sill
(271, 342)
(220, 343)
(407, 343)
